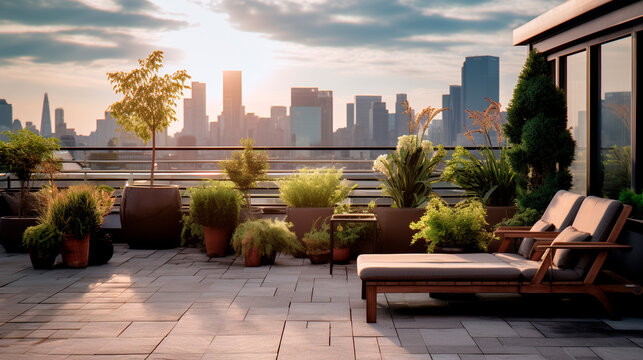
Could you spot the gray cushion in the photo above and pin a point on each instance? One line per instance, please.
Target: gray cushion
(562, 209)
(528, 243)
(596, 217)
(528, 268)
(565, 258)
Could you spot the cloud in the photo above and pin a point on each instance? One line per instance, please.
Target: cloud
(60, 31)
(384, 24)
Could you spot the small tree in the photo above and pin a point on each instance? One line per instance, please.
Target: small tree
(542, 148)
(246, 168)
(23, 155)
(148, 100)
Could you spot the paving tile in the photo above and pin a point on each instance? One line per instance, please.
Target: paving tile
(618, 353)
(175, 344)
(449, 341)
(319, 311)
(489, 328)
(249, 344)
(151, 329)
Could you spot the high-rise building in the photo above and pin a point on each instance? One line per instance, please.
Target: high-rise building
(45, 121)
(17, 125)
(325, 98)
(195, 121)
(480, 80)
(310, 98)
(401, 119)
(456, 115)
(379, 119)
(6, 115)
(59, 122)
(306, 124)
(350, 116)
(231, 129)
(363, 119)
(279, 116)
(446, 119)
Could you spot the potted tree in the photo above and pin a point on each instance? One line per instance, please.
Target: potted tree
(458, 229)
(258, 241)
(44, 242)
(150, 215)
(311, 194)
(407, 175)
(22, 155)
(317, 242)
(215, 207)
(245, 169)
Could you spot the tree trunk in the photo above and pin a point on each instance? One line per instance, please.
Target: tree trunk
(24, 190)
(153, 157)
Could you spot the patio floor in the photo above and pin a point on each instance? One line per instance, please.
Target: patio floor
(178, 304)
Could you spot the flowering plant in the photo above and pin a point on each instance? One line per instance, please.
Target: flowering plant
(408, 170)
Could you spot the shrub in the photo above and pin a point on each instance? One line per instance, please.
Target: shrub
(314, 188)
(246, 168)
(76, 212)
(526, 217)
(267, 236)
(629, 197)
(215, 204)
(317, 240)
(44, 238)
(462, 225)
(191, 233)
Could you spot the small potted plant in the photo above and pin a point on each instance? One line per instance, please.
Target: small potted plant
(317, 242)
(76, 214)
(22, 156)
(458, 229)
(215, 207)
(311, 194)
(345, 236)
(245, 169)
(44, 242)
(260, 240)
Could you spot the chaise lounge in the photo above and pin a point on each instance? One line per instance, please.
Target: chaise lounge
(570, 264)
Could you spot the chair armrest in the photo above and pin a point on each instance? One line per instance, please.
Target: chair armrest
(584, 246)
(528, 234)
(505, 228)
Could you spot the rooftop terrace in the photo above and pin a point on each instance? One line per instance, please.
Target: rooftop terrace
(178, 304)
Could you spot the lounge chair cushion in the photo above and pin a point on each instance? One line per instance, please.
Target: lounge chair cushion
(528, 243)
(565, 258)
(528, 268)
(562, 209)
(596, 217)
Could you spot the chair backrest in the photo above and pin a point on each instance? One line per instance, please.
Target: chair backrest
(562, 209)
(596, 217)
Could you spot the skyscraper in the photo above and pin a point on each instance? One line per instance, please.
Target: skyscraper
(6, 115)
(325, 98)
(232, 129)
(279, 116)
(350, 116)
(195, 122)
(446, 120)
(379, 116)
(59, 122)
(480, 80)
(309, 98)
(363, 119)
(401, 119)
(45, 121)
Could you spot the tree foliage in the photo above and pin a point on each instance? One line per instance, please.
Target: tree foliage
(246, 168)
(149, 99)
(542, 148)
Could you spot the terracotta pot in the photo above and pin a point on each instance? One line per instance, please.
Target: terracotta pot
(75, 251)
(496, 214)
(151, 217)
(395, 234)
(41, 260)
(268, 259)
(216, 240)
(321, 257)
(11, 230)
(252, 257)
(341, 256)
(302, 220)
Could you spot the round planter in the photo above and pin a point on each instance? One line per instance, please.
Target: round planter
(11, 230)
(101, 249)
(41, 261)
(496, 214)
(395, 234)
(75, 251)
(302, 220)
(252, 257)
(151, 217)
(268, 259)
(216, 240)
(320, 257)
(341, 256)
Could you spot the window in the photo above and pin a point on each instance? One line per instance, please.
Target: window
(576, 90)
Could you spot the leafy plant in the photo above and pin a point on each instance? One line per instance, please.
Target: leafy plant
(617, 170)
(526, 217)
(192, 233)
(148, 100)
(22, 155)
(246, 168)
(629, 197)
(462, 225)
(542, 148)
(76, 212)
(346, 234)
(317, 240)
(215, 204)
(43, 238)
(267, 236)
(314, 188)
(408, 170)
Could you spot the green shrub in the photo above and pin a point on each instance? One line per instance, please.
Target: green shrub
(314, 188)
(76, 212)
(317, 240)
(246, 168)
(463, 225)
(215, 204)
(191, 233)
(629, 197)
(267, 236)
(44, 238)
(526, 217)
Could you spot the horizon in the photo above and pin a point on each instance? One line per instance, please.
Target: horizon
(65, 49)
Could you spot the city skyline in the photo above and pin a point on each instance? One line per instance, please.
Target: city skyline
(376, 47)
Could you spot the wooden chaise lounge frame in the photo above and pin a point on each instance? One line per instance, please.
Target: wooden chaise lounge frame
(588, 285)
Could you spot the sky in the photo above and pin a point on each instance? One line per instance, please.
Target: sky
(352, 47)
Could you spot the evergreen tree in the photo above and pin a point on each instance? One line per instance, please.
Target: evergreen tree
(542, 148)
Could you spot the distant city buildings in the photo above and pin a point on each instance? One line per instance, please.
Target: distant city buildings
(6, 115)
(45, 120)
(311, 116)
(195, 121)
(231, 129)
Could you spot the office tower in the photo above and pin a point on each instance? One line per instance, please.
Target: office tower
(279, 116)
(31, 127)
(6, 115)
(105, 130)
(195, 122)
(306, 124)
(45, 121)
(401, 119)
(232, 129)
(379, 119)
(350, 116)
(363, 119)
(325, 98)
(446, 120)
(59, 122)
(302, 102)
(17, 125)
(480, 80)
(456, 115)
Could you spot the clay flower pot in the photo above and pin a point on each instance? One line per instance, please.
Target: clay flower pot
(252, 257)
(342, 255)
(216, 240)
(75, 251)
(319, 257)
(41, 260)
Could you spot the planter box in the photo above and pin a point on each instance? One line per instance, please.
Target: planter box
(395, 234)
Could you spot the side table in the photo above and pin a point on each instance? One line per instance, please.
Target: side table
(350, 218)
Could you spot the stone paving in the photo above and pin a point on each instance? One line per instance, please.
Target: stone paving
(178, 304)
